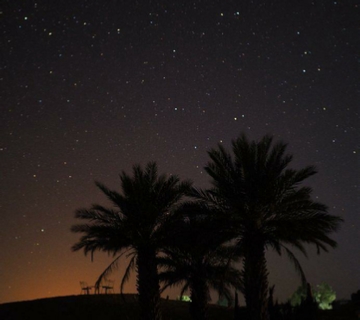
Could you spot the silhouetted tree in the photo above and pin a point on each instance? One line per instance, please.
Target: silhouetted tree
(274, 308)
(271, 302)
(265, 207)
(355, 297)
(308, 307)
(197, 260)
(135, 225)
(236, 307)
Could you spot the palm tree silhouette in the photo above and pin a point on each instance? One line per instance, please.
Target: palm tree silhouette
(265, 207)
(135, 226)
(196, 259)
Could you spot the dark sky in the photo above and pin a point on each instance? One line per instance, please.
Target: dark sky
(89, 88)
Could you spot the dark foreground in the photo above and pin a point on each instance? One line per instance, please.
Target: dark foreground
(111, 307)
(107, 307)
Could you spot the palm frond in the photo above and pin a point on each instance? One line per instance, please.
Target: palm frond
(296, 264)
(110, 269)
(184, 289)
(170, 279)
(129, 268)
(115, 197)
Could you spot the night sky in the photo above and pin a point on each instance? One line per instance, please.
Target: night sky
(89, 88)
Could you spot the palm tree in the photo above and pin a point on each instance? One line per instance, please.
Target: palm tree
(136, 226)
(197, 259)
(265, 207)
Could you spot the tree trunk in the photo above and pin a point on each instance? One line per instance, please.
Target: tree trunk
(148, 285)
(199, 298)
(255, 280)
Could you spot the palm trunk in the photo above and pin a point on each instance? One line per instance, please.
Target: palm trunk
(255, 280)
(148, 285)
(199, 298)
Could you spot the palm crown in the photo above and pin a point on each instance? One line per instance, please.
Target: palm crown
(138, 215)
(264, 196)
(135, 225)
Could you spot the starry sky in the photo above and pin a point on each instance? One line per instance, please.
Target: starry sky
(89, 88)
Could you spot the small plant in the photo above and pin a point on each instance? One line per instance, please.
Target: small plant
(298, 296)
(324, 295)
(184, 298)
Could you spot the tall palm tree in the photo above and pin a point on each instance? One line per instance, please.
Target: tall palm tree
(265, 206)
(135, 225)
(197, 259)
